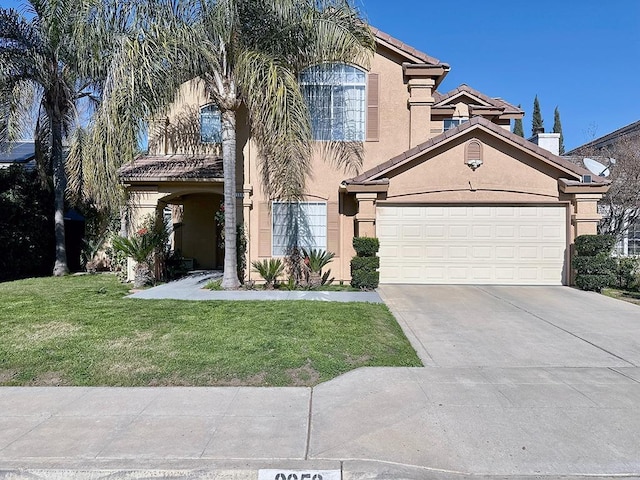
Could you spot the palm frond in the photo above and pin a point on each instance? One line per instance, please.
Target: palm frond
(280, 123)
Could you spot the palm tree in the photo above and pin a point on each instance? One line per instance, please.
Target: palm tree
(51, 59)
(247, 52)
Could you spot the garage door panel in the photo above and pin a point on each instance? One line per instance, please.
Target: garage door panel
(468, 244)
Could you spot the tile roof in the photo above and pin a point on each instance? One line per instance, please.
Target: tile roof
(608, 139)
(473, 123)
(172, 168)
(409, 50)
(496, 102)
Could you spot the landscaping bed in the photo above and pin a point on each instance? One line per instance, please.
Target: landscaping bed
(80, 330)
(627, 296)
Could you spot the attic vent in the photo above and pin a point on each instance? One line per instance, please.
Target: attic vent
(473, 155)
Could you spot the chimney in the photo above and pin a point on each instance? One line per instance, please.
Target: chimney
(548, 141)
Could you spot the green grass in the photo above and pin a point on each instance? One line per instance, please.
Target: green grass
(79, 330)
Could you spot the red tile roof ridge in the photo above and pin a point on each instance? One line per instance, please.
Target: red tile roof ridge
(400, 45)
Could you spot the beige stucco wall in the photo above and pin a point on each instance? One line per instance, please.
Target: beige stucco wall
(507, 175)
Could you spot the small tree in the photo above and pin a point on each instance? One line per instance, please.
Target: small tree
(557, 128)
(620, 206)
(517, 126)
(537, 124)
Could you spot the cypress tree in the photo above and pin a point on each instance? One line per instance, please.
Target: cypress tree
(517, 126)
(537, 124)
(557, 128)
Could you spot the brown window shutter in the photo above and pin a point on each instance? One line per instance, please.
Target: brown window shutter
(373, 108)
(264, 230)
(333, 228)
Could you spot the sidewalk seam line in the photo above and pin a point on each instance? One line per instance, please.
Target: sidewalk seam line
(309, 413)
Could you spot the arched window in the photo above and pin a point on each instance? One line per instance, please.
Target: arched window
(335, 93)
(210, 124)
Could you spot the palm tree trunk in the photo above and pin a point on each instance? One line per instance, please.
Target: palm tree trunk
(59, 185)
(230, 276)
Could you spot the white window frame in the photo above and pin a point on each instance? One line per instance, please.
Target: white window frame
(458, 120)
(334, 76)
(317, 227)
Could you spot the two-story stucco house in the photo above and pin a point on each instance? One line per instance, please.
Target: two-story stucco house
(452, 194)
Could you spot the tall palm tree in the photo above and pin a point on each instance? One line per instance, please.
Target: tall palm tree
(50, 59)
(247, 52)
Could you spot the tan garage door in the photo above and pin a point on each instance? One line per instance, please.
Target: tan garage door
(518, 245)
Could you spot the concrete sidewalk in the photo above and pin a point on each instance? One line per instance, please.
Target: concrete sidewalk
(411, 423)
(192, 288)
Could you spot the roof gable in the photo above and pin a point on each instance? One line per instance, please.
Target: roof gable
(378, 173)
(480, 99)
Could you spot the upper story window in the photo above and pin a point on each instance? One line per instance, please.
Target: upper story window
(450, 123)
(210, 124)
(335, 93)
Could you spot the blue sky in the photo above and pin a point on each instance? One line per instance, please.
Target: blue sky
(580, 55)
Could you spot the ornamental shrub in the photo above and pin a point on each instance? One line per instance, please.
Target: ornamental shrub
(627, 271)
(364, 266)
(366, 246)
(368, 263)
(591, 245)
(365, 279)
(595, 269)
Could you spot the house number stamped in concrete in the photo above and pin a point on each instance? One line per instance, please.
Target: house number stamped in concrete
(275, 474)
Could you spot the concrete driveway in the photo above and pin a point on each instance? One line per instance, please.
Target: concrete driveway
(499, 326)
(518, 381)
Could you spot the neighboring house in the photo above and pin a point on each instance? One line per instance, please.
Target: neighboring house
(601, 150)
(452, 194)
(19, 153)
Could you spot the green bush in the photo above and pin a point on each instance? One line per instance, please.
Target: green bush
(364, 274)
(368, 263)
(590, 245)
(594, 283)
(366, 246)
(627, 272)
(364, 279)
(595, 269)
(600, 264)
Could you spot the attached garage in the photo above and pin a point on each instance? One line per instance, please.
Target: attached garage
(472, 244)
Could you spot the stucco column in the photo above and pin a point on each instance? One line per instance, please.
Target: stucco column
(420, 102)
(247, 205)
(586, 217)
(366, 216)
(141, 205)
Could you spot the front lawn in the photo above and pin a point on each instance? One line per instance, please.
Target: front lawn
(79, 330)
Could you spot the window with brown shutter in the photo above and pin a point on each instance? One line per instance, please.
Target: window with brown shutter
(373, 108)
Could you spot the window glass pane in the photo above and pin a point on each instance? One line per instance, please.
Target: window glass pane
(210, 125)
(450, 123)
(336, 97)
(302, 225)
(633, 236)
